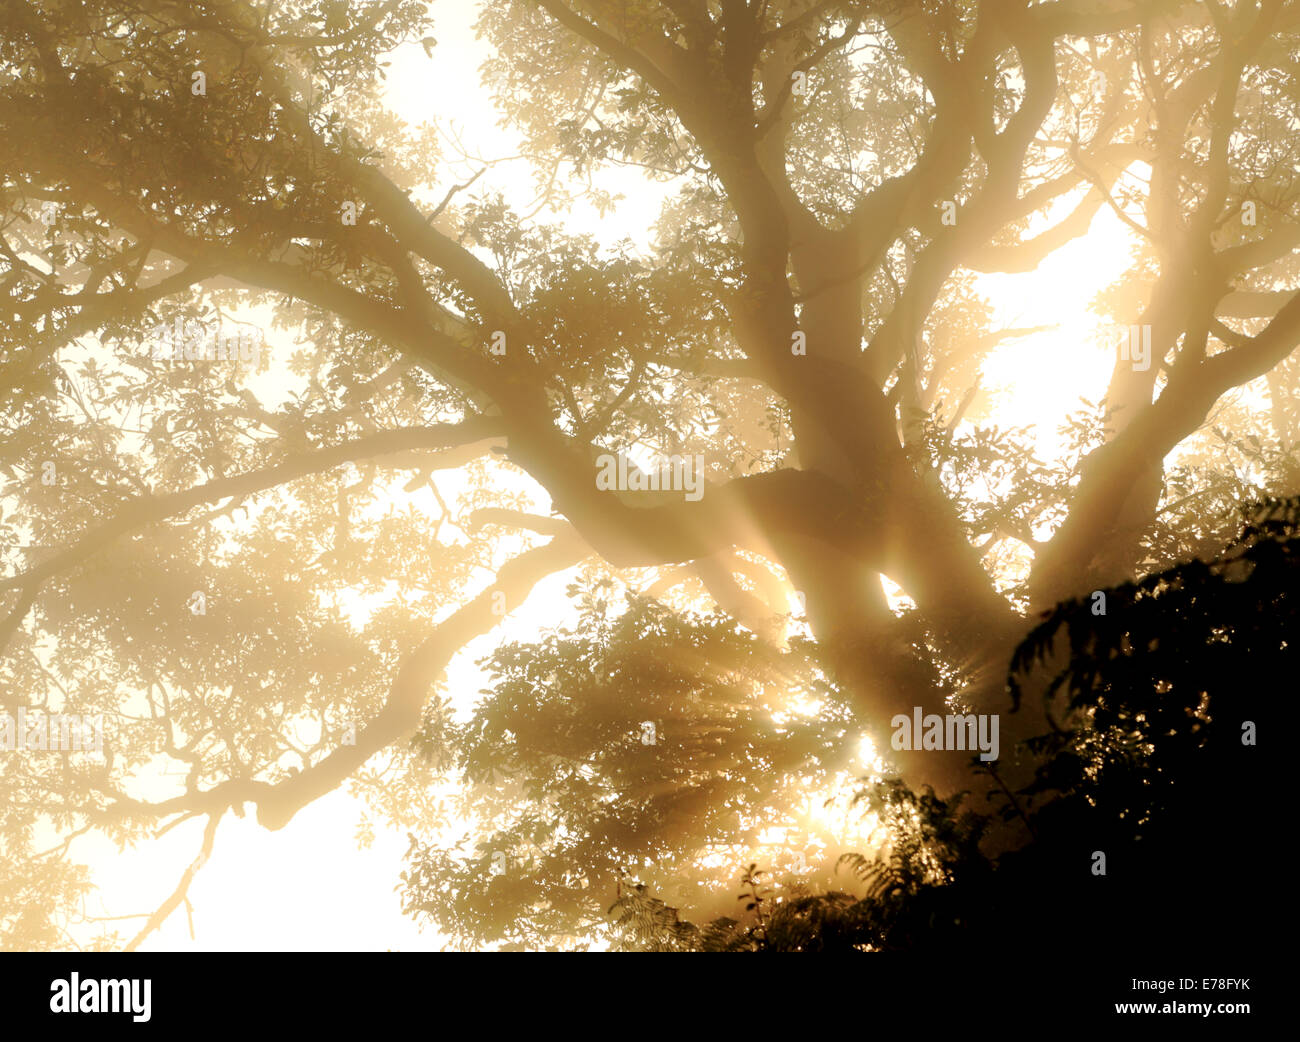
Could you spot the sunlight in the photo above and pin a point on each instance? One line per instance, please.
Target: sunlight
(409, 560)
(1038, 380)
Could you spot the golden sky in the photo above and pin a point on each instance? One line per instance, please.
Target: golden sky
(309, 886)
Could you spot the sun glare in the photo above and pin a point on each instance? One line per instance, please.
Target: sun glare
(275, 885)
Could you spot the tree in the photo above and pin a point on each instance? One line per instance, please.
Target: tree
(1154, 758)
(808, 326)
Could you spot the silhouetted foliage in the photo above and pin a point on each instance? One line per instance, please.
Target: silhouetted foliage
(1152, 760)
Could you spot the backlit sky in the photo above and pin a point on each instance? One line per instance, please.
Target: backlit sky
(308, 886)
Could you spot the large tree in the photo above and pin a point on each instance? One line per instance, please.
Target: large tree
(809, 323)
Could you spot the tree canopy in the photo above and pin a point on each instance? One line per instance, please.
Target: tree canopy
(1153, 764)
(244, 563)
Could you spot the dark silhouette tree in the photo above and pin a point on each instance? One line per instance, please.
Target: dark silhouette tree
(1153, 760)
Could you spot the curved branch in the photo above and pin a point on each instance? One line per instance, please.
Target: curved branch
(182, 888)
(148, 510)
(1154, 432)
